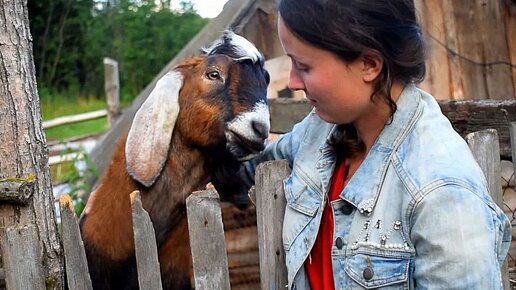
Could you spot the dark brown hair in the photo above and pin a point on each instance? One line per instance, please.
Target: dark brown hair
(347, 28)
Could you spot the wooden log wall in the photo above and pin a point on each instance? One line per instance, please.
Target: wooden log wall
(472, 48)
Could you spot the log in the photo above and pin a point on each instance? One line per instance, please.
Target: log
(146, 250)
(270, 211)
(466, 116)
(207, 243)
(77, 272)
(70, 119)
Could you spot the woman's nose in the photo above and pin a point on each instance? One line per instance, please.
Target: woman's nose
(295, 82)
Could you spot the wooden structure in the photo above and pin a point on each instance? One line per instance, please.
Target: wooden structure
(472, 48)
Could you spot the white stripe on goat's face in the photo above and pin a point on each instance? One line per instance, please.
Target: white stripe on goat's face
(236, 47)
(247, 132)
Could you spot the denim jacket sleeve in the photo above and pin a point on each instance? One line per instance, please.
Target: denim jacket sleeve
(459, 239)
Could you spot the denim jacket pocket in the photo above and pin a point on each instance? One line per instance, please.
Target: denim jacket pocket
(372, 272)
(302, 206)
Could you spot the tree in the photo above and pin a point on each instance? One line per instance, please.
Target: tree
(29, 241)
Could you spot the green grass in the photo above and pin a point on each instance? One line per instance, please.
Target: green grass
(77, 129)
(53, 107)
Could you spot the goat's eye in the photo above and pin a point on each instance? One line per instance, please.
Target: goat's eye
(213, 75)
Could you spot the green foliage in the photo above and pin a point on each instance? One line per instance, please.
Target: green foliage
(71, 38)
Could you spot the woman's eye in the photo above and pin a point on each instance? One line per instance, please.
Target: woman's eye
(213, 75)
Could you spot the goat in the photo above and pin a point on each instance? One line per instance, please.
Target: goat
(202, 119)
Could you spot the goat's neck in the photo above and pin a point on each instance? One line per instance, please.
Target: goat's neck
(186, 170)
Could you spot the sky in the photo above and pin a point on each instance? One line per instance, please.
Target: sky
(205, 8)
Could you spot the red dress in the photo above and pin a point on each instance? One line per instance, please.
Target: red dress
(318, 264)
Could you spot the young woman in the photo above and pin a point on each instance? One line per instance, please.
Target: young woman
(383, 192)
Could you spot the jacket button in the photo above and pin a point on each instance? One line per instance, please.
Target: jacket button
(347, 208)
(339, 243)
(368, 273)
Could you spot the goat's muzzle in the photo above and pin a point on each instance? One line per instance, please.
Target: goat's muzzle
(246, 135)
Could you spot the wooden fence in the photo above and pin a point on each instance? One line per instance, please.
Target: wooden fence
(205, 223)
(112, 112)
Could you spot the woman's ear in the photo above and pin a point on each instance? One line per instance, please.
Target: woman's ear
(372, 62)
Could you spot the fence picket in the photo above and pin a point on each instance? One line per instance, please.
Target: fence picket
(270, 211)
(149, 276)
(485, 147)
(207, 242)
(20, 249)
(77, 273)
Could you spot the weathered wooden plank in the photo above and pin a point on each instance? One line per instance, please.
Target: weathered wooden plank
(466, 116)
(485, 148)
(510, 26)
(149, 276)
(495, 54)
(470, 47)
(270, 210)
(512, 133)
(450, 28)
(437, 81)
(112, 89)
(21, 250)
(284, 113)
(77, 272)
(207, 243)
(471, 116)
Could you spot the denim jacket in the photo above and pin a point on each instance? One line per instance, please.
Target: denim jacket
(416, 214)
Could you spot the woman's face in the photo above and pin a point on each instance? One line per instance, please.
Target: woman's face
(335, 88)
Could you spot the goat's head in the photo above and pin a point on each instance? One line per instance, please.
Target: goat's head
(217, 99)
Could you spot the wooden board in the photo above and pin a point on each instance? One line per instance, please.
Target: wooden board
(466, 116)
(431, 15)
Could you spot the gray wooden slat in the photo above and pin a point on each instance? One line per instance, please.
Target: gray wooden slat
(512, 133)
(270, 211)
(77, 272)
(207, 243)
(486, 150)
(20, 250)
(149, 276)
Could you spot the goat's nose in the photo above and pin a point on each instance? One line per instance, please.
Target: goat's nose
(261, 129)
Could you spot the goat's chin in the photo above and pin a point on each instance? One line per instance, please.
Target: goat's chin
(247, 157)
(240, 153)
(243, 149)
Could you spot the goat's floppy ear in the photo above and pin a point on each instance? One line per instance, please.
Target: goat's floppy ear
(148, 142)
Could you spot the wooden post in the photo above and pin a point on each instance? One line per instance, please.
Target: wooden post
(112, 88)
(77, 272)
(149, 276)
(207, 242)
(512, 133)
(270, 211)
(486, 150)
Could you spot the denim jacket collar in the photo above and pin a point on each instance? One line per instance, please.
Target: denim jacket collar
(370, 175)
